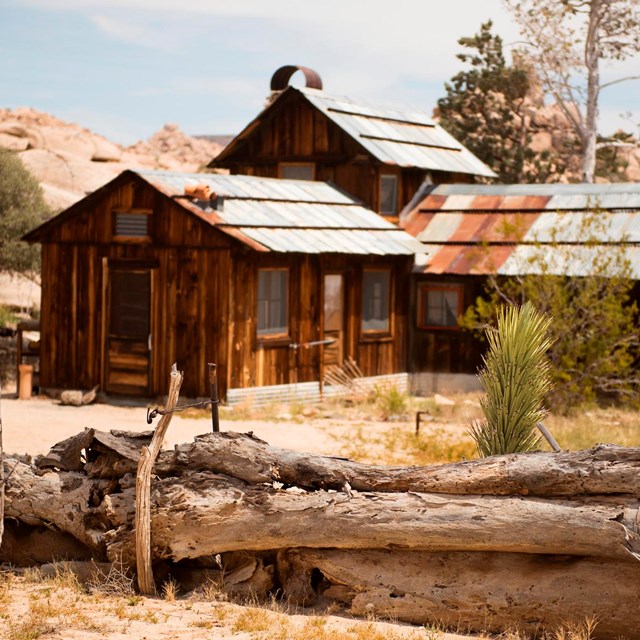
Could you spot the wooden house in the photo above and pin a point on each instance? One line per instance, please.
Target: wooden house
(471, 232)
(379, 154)
(246, 272)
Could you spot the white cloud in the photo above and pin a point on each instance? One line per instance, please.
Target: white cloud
(131, 32)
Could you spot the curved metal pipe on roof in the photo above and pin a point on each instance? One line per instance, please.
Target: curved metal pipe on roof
(280, 79)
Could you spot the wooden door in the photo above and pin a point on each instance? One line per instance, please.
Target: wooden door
(333, 318)
(128, 345)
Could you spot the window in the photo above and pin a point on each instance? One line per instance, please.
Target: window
(440, 306)
(375, 300)
(133, 225)
(297, 171)
(272, 302)
(388, 195)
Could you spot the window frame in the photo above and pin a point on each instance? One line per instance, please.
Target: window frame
(283, 165)
(377, 333)
(395, 202)
(131, 239)
(424, 289)
(269, 334)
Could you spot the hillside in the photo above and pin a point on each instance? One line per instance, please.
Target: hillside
(69, 161)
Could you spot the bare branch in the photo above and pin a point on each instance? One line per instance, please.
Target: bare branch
(618, 81)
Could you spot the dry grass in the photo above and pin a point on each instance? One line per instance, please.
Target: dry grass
(116, 582)
(593, 426)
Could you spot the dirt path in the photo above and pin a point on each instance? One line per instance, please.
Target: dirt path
(33, 426)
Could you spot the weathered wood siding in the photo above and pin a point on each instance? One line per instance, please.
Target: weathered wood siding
(295, 131)
(203, 301)
(444, 350)
(190, 264)
(258, 362)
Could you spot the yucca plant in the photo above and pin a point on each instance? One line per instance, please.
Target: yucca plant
(516, 378)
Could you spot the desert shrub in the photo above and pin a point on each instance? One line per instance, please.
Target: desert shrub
(595, 342)
(389, 401)
(516, 379)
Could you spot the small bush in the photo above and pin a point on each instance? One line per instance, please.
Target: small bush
(516, 379)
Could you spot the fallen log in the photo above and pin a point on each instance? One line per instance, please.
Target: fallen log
(67, 502)
(350, 532)
(469, 590)
(604, 470)
(204, 514)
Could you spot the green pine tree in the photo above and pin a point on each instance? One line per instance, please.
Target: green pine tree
(484, 110)
(22, 207)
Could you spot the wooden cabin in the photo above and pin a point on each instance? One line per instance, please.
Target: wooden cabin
(160, 267)
(470, 232)
(378, 154)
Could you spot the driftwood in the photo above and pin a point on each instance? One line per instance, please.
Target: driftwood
(520, 540)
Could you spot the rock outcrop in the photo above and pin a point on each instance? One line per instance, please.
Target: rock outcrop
(70, 161)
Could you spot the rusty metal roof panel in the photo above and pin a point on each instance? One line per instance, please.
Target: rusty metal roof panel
(463, 259)
(530, 196)
(441, 228)
(406, 137)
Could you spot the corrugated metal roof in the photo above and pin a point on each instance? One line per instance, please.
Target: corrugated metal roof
(395, 135)
(619, 195)
(296, 216)
(251, 187)
(520, 229)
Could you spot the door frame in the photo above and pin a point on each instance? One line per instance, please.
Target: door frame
(109, 265)
(344, 330)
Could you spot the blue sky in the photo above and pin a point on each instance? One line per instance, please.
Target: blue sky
(123, 68)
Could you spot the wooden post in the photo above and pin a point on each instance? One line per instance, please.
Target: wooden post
(213, 389)
(148, 456)
(548, 437)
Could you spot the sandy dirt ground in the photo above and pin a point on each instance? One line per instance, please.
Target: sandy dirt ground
(33, 426)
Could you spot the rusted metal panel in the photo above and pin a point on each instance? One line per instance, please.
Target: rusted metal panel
(464, 260)
(280, 79)
(471, 229)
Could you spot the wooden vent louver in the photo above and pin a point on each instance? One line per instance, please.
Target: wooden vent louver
(132, 225)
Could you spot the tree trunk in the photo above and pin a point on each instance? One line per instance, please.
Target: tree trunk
(204, 514)
(476, 591)
(518, 540)
(592, 53)
(604, 470)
